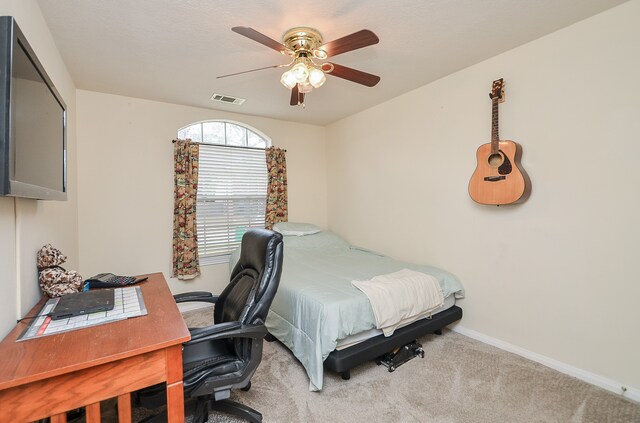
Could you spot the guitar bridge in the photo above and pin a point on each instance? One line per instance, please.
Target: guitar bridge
(494, 178)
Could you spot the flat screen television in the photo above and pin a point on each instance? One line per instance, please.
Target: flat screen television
(33, 122)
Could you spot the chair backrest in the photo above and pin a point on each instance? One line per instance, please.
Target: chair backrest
(254, 280)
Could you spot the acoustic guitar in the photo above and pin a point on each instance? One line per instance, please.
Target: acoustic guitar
(499, 177)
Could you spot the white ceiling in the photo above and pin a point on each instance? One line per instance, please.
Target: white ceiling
(172, 50)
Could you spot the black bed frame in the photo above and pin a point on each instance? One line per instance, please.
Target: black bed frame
(344, 360)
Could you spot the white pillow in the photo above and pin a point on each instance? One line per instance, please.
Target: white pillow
(297, 229)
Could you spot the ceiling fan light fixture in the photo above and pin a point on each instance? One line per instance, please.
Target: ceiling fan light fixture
(316, 78)
(300, 72)
(288, 80)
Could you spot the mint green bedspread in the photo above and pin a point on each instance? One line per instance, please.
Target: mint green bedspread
(316, 305)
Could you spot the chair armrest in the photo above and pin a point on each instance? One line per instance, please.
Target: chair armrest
(201, 296)
(226, 330)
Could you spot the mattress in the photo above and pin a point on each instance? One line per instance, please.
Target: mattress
(352, 340)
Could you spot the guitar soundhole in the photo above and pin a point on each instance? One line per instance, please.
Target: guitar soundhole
(495, 160)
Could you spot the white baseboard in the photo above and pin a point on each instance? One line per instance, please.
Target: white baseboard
(592, 378)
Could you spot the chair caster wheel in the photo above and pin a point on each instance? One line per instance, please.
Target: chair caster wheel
(378, 362)
(392, 368)
(246, 388)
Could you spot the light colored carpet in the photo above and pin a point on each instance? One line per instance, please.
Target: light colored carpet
(459, 380)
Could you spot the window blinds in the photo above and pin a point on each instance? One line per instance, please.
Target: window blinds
(232, 190)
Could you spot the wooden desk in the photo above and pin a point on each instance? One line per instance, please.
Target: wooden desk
(51, 375)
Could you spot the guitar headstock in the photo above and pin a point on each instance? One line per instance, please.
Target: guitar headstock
(497, 91)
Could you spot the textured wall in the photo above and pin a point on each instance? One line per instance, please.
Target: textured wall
(557, 275)
(26, 225)
(126, 159)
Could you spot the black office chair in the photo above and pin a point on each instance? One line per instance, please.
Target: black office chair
(225, 356)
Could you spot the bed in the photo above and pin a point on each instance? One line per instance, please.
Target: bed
(324, 320)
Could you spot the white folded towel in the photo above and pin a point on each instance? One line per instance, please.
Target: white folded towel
(401, 297)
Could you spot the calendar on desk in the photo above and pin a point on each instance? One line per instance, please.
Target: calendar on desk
(128, 303)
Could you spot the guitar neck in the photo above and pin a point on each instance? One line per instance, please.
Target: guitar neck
(495, 136)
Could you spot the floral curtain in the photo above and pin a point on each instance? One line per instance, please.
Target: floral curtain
(277, 209)
(185, 235)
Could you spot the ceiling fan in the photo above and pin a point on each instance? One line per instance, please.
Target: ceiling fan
(304, 45)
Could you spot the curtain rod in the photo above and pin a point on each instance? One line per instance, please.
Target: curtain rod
(227, 145)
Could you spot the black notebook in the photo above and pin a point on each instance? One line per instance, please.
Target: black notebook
(83, 303)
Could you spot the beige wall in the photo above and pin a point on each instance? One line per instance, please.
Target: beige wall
(557, 275)
(26, 225)
(126, 181)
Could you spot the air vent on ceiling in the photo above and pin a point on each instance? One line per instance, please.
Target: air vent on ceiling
(227, 99)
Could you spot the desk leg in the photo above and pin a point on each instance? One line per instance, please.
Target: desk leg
(124, 408)
(175, 389)
(93, 412)
(59, 418)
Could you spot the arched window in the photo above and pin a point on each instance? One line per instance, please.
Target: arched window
(232, 185)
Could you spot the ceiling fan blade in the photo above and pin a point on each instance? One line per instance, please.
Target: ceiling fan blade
(252, 70)
(261, 38)
(354, 75)
(362, 38)
(295, 97)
